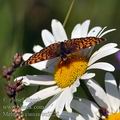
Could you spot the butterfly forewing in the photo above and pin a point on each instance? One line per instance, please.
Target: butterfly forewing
(75, 45)
(47, 53)
(66, 47)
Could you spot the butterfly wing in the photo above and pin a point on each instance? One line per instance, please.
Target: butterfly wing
(75, 45)
(68, 47)
(47, 53)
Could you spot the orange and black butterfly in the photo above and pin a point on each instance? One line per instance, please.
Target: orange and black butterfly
(62, 49)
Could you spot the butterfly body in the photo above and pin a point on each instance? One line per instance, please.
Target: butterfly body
(62, 49)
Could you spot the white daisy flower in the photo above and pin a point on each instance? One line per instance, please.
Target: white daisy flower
(65, 78)
(84, 110)
(109, 102)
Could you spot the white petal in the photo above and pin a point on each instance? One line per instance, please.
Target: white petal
(46, 65)
(71, 116)
(69, 96)
(67, 107)
(19, 78)
(26, 56)
(112, 92)
(38, 96)
(76, 33)
(49, 108)
(40, 65)
(102, 54)
(58, 31)
(87, 76)
(98, 94)
(32, 82)
(47, 113)
(37, 80)
(94, 31)
(85, 107)
(101, 31)
(108, 46)
(40, 77)
(84, 28)
(106, 32)
(61, 102)
(47, 37)
(75, 85)
(37, 48)
(36, 77)
(103, 66)
(64, 100)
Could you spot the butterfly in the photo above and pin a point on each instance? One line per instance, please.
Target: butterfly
(62, 49)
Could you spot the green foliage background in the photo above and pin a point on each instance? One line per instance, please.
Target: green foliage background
(21, 22)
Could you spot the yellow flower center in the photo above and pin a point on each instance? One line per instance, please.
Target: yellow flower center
(114, 116)
(68, 71)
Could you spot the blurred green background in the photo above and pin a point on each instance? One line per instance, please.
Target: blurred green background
(21, 22)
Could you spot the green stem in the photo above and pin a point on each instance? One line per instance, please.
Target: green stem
(68, 13)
